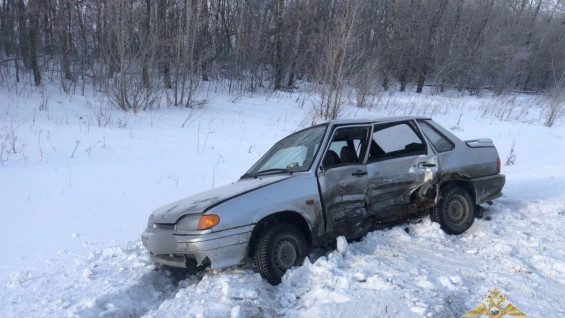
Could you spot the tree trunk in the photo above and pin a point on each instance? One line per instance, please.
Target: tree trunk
(85, 52)
(532, 63)
(64, 38)
(391, 14)
(403, 79)
(206, 44)
(296, 45)
(23, 39)
(448, 76)
(6, 27)
(147, 33)
(110, 35)
(476, 44)
(279, 58)
(407, 51)
(429, 45)
(165, 56)
(32, 37)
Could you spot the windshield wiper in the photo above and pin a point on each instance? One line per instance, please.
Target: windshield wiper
(268, 171)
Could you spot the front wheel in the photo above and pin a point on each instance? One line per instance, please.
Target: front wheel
(277, 249)
(455, 211)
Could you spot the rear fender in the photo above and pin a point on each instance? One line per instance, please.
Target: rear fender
(460, 180)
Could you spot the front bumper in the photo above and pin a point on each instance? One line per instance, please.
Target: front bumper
(222, 249)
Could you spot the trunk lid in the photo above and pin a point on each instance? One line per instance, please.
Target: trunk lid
(480, 143)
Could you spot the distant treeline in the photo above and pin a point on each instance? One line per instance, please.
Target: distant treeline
(174, 44)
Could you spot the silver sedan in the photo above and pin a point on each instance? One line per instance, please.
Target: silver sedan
(342, 178)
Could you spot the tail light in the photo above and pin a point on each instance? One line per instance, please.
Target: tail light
(498, 164)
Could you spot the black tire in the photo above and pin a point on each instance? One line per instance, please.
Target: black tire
(455, 211)
(277, 249)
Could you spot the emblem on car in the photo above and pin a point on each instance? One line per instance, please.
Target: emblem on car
(494, 307)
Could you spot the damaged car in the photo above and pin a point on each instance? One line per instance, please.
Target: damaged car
(341, 178)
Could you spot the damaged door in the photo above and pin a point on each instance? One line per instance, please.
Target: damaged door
(399, 163)
(342, 177)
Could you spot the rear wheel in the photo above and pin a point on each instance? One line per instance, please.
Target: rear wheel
(277, 249)
(455, 211)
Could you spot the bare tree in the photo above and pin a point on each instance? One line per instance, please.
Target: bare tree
(164, 35)
(251, 44)
(427, 48)
(279, 58)
(333, 69)
(534, 59)
(206, 45)
(556, 106)
(390, 30)
(296, 47)
(33, 17)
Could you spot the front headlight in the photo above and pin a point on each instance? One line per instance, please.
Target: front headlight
(150, 222)
(188, 222)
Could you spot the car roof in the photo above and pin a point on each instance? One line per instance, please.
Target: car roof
(375, 120)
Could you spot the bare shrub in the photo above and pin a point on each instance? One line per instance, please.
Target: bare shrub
(338, 61)
(508, 108)
(103, 117)
(511, 159)
(77, 142)
(193, 114)
(44, 103)
(4, 148)
(555, 108)
(364, 82)
(122, 122)
(10, 143)
(126, 93)
(11, 136)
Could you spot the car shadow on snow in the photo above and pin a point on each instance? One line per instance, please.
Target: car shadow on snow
(152, 289)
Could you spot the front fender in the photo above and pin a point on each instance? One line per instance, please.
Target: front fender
(298, 193)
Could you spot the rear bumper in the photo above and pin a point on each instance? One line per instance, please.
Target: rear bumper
(221, 249)
(488, 188)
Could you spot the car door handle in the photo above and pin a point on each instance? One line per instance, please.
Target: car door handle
(359, 173)
(427, 165)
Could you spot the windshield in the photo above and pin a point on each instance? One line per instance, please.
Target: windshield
(294, 153)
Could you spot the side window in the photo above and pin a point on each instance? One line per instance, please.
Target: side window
(395, 140)
(348, 146)
(440, 142)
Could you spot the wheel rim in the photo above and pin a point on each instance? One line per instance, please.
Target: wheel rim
(457, 210)
(285, 254)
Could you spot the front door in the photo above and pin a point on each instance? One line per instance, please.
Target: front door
(342, 177)
(399, 163)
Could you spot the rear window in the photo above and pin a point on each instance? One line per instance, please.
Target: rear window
(439, 141)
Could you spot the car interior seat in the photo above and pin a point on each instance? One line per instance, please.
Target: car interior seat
(375, 151)
(348, 155)
(331, 159)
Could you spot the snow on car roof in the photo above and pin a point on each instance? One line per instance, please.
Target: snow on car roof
(375, 120)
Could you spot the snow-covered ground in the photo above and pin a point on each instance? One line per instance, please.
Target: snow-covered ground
(76, 194)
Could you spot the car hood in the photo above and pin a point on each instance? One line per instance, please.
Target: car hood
(197, 203)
